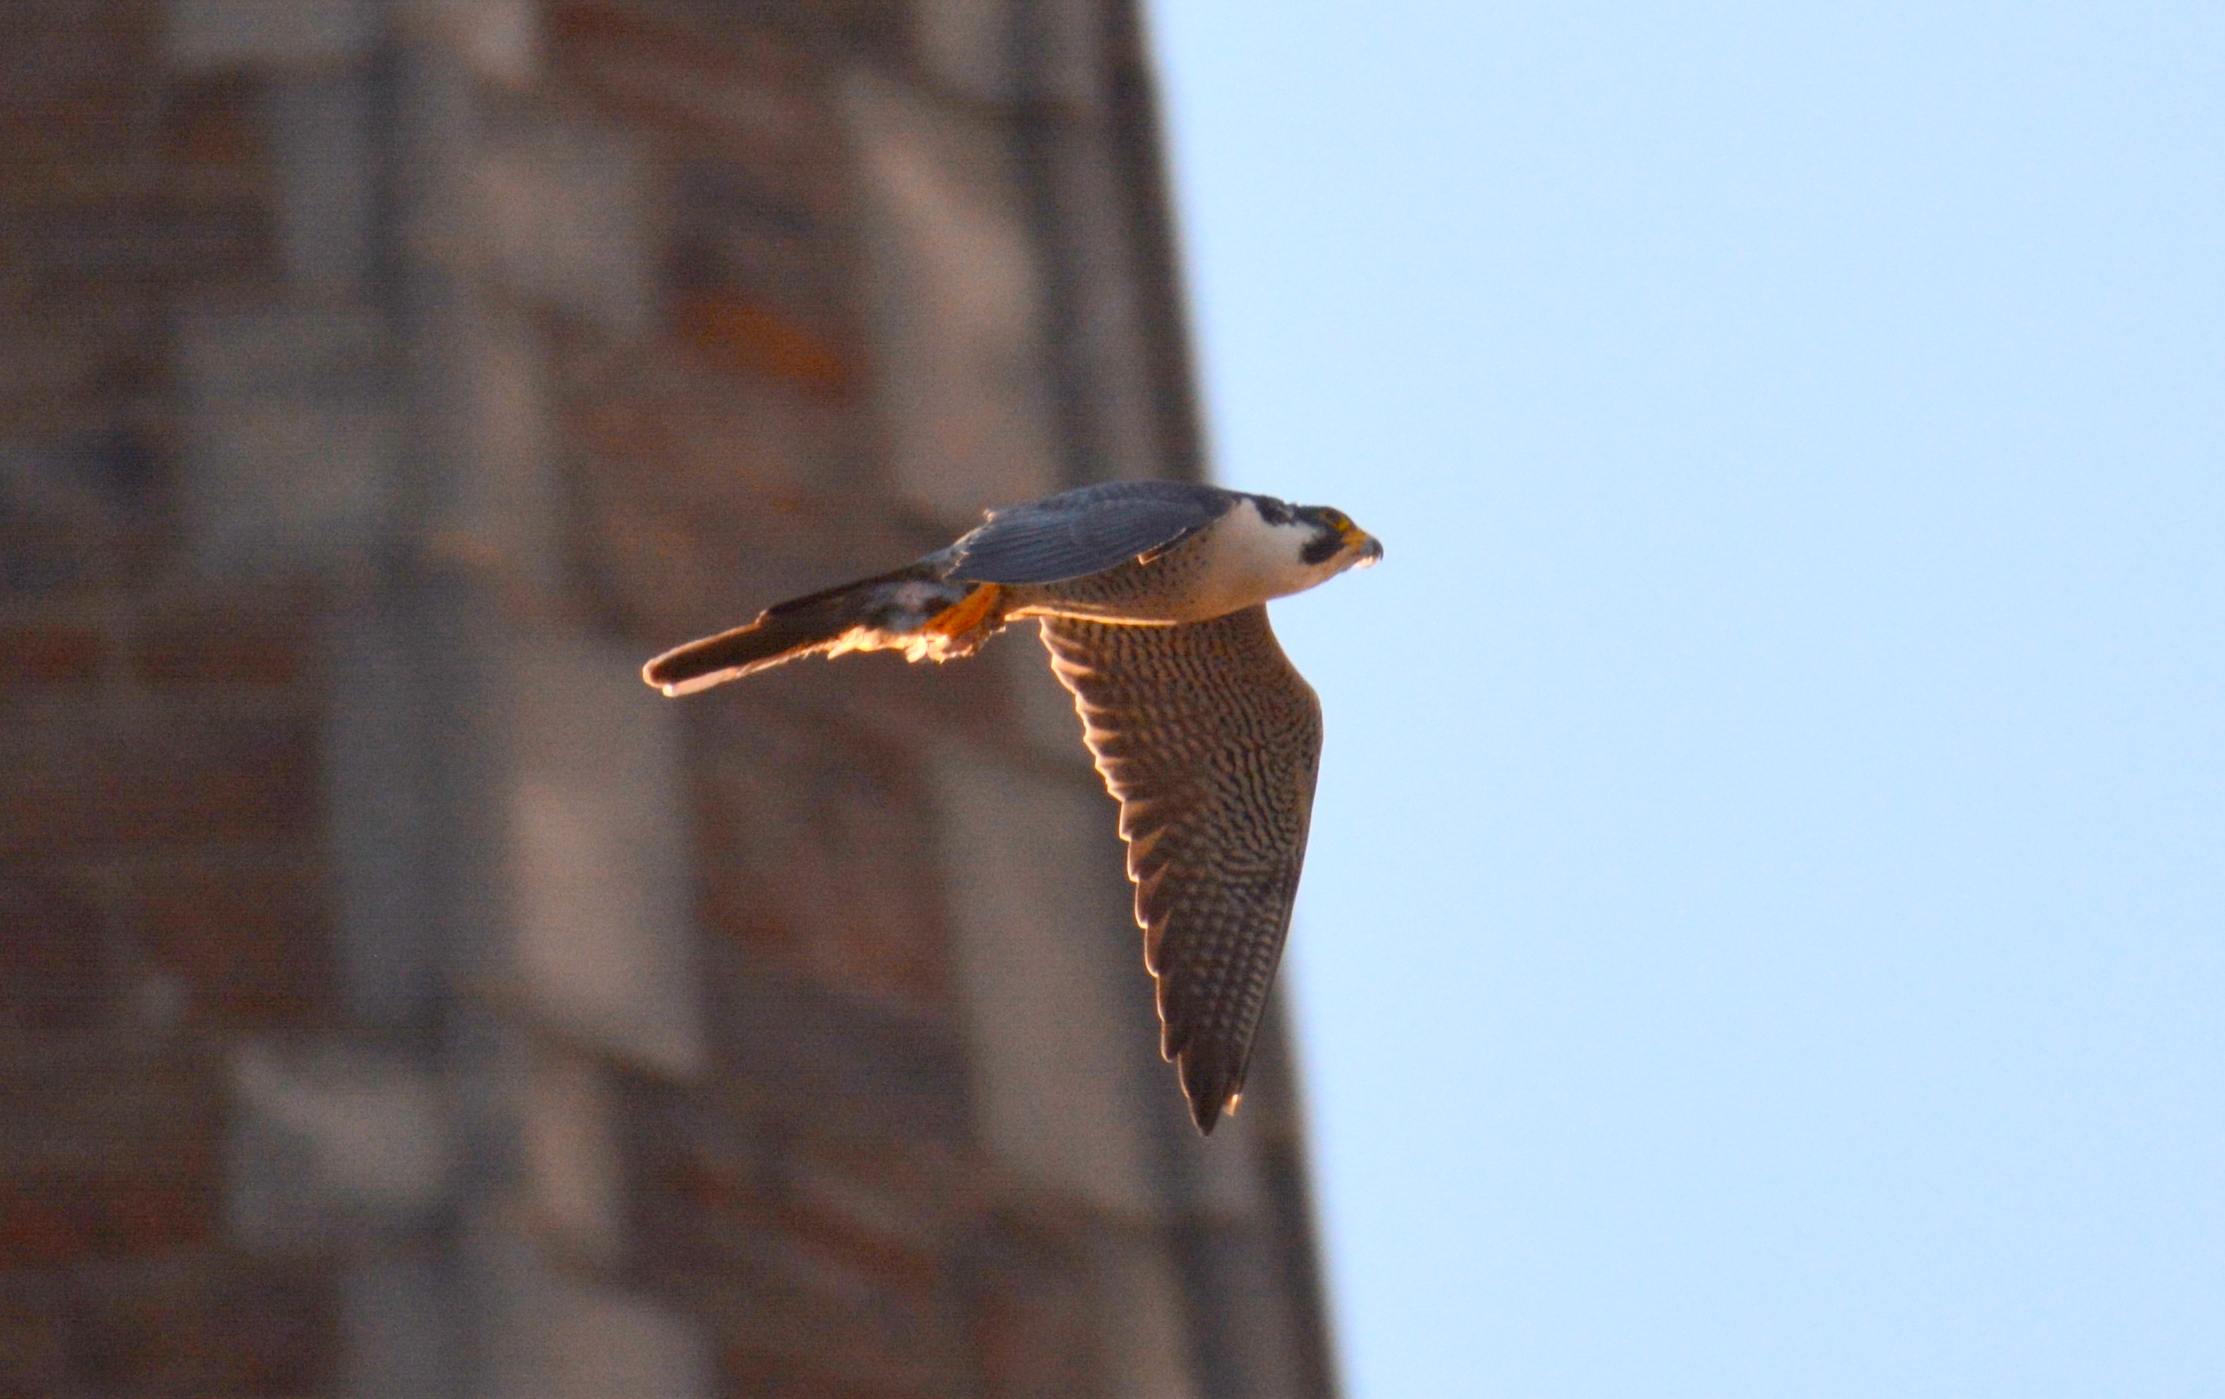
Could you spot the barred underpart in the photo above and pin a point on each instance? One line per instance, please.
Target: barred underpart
(1211, 742)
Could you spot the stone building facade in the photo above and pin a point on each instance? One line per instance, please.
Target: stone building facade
(402, 1000)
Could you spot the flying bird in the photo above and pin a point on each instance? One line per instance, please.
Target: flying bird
(1152, 599)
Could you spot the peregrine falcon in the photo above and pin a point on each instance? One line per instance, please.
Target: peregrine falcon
(1151, 596)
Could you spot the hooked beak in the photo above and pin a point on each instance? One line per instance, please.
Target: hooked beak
(1367, 546)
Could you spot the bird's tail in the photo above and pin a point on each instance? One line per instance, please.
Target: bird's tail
(914, 610)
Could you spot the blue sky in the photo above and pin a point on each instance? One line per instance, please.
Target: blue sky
(1765, 932)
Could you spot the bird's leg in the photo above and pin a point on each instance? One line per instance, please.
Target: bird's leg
(970, 622)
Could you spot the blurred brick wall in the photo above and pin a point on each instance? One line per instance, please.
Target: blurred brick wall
(399, 998)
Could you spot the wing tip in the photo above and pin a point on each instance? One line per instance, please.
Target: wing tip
(1213, 1093)
(1208, 1115)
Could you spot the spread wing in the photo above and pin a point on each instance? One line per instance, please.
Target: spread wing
(1211, 741)
(1079, 532)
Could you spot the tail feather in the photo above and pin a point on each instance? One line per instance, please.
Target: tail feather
(913, 610)
(764, 643)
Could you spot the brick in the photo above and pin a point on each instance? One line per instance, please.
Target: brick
(747, 337)
(399, 1318)
(1064, 42)
(749, 446)
(731, 323)
(65, 363)
(842, 1059)
(813, 836)
(279, 347)
(277, 1333)
(1033, 1309)
(746, 97)
(968, 45)
(1114, 380)
(54, 655)
(746, 230)
(66, 48)
(994, 52)
(790, 1307)
(912, 1194)
(323, 154)
(1056, 1000)
(249, 942)
(563, 206)
(1119, 1301)
(507, 513)
(36, 560)
(1037, 709)
(499, 39)
(209, 124)
(83, 784)
(957, 303)
(1260, 1349)
(851, 1379)
(283, 484)
(702, 496)
(149, 235)
(54, 1217)
(76, 509)
(87, 1113)
(378, 816)
(34, 1339)
(58, 975)
(606, 933)
(326, 1133)
(223, 646)
(791, 1237)
(1143, 1344)
(218, 1329)
(289, 436)
(44, 1221)
(570, 1340)
(574, 1179)
(220, 34)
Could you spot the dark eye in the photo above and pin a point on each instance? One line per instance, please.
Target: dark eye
(1322, 549)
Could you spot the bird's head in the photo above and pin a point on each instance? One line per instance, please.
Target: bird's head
(1337, 540)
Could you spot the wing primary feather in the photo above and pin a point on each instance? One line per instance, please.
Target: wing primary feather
(1211, 741)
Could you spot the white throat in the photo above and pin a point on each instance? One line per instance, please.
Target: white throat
(1253, 560)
